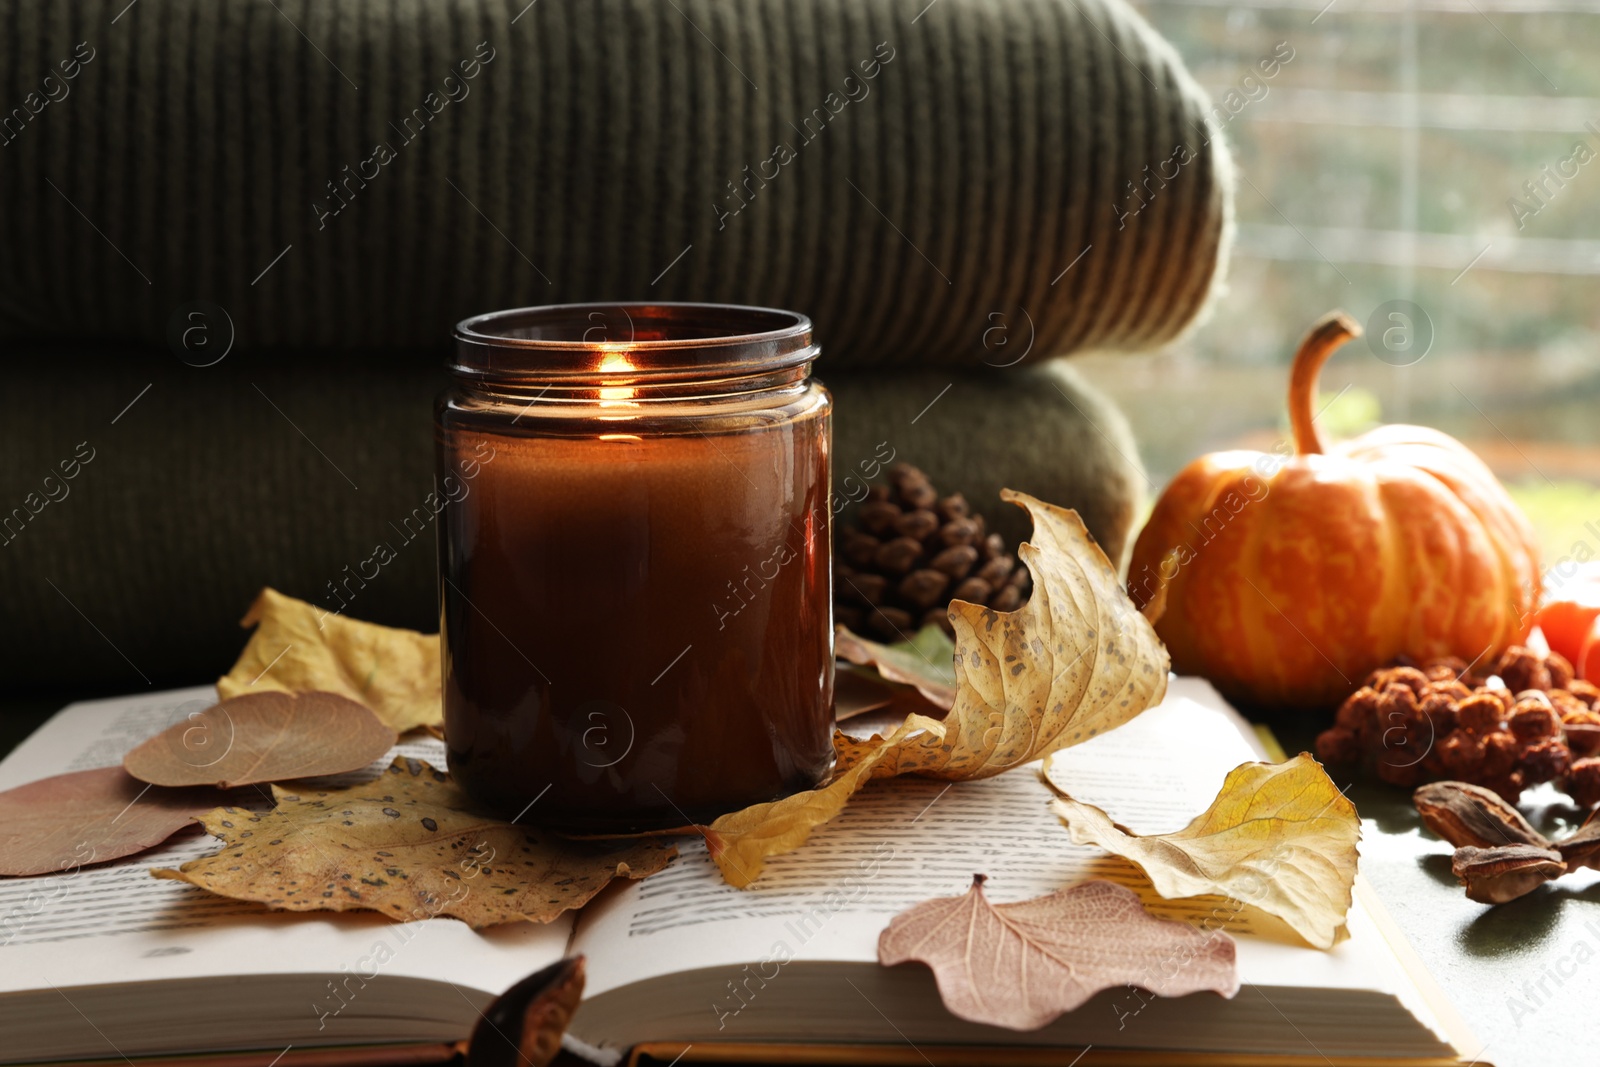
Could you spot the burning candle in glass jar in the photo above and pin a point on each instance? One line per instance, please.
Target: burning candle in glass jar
(636, 600)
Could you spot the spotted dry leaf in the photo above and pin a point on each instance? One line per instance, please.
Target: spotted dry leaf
(72, 820)
(1280, 837)
(1075, 661)
(263, 737)
(409, 844)
(298, 647)
(1021, 965)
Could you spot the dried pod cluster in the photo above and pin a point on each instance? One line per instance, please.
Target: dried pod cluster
(912, 552)
(1523, 722)
(1499, 856)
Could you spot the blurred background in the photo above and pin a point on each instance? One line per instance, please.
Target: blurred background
(1376, 173)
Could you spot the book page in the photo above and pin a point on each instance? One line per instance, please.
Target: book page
(903, 841)
(117, 923)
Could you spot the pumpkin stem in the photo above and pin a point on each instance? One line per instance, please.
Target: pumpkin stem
(1331, 331)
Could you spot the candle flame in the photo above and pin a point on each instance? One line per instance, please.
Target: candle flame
(612, 362)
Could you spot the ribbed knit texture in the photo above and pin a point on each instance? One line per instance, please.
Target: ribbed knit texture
(591, 157)
(212, 483)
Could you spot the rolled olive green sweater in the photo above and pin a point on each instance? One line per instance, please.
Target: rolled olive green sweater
(365, 173)
(943, 186)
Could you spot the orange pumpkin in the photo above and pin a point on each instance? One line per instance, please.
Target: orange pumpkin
(1570, 619)
(1287, 578)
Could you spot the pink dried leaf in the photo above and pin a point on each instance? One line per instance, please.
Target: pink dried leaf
(1019, 966)
(74, 820)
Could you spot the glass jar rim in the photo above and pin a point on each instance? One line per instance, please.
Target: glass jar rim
(631, 341)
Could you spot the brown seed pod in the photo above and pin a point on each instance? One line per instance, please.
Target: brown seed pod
(1466, 814)
(1497, 875)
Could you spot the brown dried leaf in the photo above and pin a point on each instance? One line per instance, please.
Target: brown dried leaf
(1074, 661)
(1021, 965)
(524, 1025)
(409, 844)
(263, 737)
(855, 693)
(73, 820)
(298, 647)
(925, 662)
(1280, 837)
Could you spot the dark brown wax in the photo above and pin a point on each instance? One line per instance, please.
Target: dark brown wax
(636, 628)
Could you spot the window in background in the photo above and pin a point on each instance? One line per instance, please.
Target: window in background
(1444, 154)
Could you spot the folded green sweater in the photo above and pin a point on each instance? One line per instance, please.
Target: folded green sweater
(365, 173)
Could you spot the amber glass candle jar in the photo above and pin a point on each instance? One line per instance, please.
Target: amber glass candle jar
(634, 560)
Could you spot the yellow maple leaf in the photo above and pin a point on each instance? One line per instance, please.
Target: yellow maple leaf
(299, 647)
(409, 844)
(1279, 837)
(1073, 662)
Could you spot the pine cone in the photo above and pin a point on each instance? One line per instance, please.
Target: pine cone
(913, 552)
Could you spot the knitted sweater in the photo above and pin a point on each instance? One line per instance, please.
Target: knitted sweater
(367, 172)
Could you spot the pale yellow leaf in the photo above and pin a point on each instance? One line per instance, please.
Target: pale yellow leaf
(298, 647)
(1279, 837)
(1073, 662)
(741, 842)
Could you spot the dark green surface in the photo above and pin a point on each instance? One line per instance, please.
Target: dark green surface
(1482, 956)
(1491, 961)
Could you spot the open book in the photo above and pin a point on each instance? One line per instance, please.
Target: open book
(110, 963)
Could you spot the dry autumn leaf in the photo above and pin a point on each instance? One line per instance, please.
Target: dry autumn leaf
(1073, 662)
(409, 844)
(525, 1024)
(1280, 837)
(1021, 965)
(926, 662)
(299, 647)
(262, 737)
(857, 694)
(72, 820)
